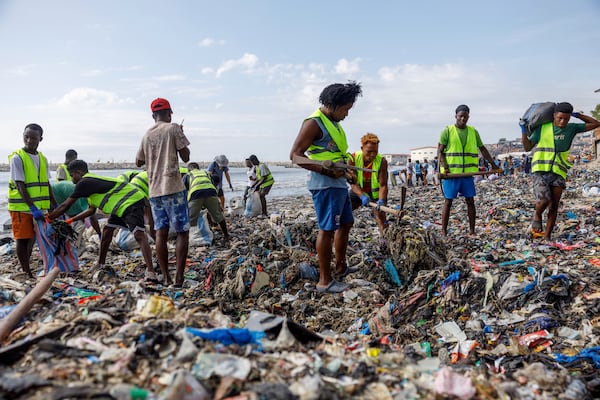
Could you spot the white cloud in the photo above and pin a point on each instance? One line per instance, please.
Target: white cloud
(246, 63)
(89, 97)
(170, 78)
(92, 73)
(345, 67)
(208, 42)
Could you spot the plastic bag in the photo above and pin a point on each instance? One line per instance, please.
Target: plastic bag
(537, 114)
(125, 240)
(200, 233)
(253, 206)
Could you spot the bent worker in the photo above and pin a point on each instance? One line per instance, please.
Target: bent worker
(140, 181)
(202, 193)
(551, 143)
(322, 138)
(218, 168)
(370, 186)
(264, 182)
(123, 203)
(457, 152)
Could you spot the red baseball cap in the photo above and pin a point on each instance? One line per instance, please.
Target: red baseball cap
(160, 104)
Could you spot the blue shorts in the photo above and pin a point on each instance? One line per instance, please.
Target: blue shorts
(333, 208)
(171, 210)
(455, 186)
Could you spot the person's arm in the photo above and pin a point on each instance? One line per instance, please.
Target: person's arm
(184, 153)
(83, 215)
(140, 157)
(486, 154)
(60, 173)
(525, 140)
(228, 179)
(590, 123)
(309, 132)
(62, 208)
(95, 224)
(443, 163)
(383, 181)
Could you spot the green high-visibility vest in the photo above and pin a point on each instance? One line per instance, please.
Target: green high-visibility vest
(67, 174)
(37, 184)
(546, 158)
(461, 158)
(269, 181)
(338, 135)
(116, 200)
(128, 175)
(358, 161)
(199, 180)
(140, 181)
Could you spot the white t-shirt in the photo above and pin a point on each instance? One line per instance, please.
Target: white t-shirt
(251, 172)
(16, 167)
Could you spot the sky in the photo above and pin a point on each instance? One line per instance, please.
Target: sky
(243, 75)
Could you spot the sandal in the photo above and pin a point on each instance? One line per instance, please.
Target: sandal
(333, 287)
(349, 270)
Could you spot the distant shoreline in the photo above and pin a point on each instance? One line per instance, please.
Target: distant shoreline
(130, 165)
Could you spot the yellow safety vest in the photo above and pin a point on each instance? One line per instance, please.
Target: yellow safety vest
(116, 200)
(461, 158)
(67, 174)
(358, 161)
(36, 184)
(199, 180)
(269, 181)
(545, 156)
(140, 181)
(338, 135)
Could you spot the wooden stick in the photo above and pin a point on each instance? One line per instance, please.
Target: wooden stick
(385, 209)
(467, 174)
(299, 160)
(8, 323)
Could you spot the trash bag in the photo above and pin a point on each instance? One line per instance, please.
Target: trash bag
(253, 206)
(200, 233)
(536, 115)
(125, 240)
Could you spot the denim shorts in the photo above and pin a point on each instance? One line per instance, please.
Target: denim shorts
(171, 211)
(333, 208)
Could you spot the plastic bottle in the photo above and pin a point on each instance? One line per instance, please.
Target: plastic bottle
(125, 391)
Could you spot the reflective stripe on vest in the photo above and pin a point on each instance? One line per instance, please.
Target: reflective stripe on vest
(116, 200)
(199, 180)
(337, 134)
(67, 174)
(376, 166)
(269, 178)
(545, 157)
(140, 181)
(461, 158)
(37, 185)
(129, 175)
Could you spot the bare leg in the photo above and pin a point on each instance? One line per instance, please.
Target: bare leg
(471, 214)
(141, 238)
(107, 234)
(24, 248)
(446, 216)
(181, 253)
(324, 245)
(553, 210)
(162, 253)
(340, 241)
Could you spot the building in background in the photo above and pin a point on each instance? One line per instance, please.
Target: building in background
(395, 159)
(422, 153)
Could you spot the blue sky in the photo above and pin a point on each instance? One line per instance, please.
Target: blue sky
(244, 74)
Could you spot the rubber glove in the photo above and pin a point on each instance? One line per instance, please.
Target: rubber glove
(381, 202)
(364, 199)
(576, 115)
(36, 213)
(231, 187)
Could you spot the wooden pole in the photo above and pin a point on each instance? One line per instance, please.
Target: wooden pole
(385, 209)
(11, 320)
(467, 174)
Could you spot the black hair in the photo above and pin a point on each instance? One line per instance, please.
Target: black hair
(70, 154)
(462, 107)
(34, 127)
(339, 94)
(162, 114)
(193, 165)
(566, 108)
(253, 159)
(78, 165)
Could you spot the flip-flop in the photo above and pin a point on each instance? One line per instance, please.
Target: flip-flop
(349, 270)
(333, 287)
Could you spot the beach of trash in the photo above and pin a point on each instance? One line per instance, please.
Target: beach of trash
(498, 316)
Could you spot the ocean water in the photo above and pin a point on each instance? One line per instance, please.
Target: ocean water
(289, 182)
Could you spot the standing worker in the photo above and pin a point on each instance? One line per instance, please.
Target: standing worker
(370, 186)
(264, 181)
(458, 154)
(161, 147)
(551, 143)
(322, 138)
(62, 172)
(29, 192)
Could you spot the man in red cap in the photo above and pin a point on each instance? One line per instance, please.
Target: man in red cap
(160, 150)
